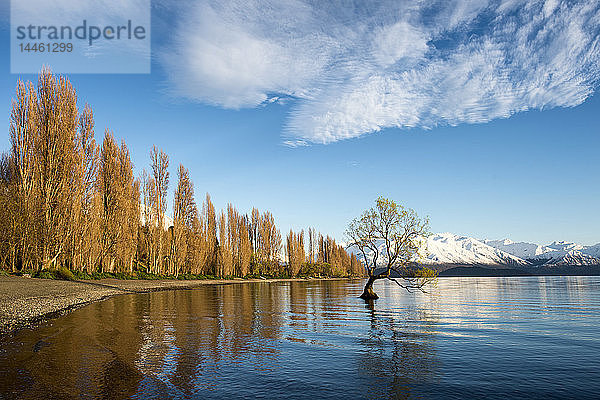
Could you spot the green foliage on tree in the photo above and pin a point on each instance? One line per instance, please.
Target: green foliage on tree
(389, 237)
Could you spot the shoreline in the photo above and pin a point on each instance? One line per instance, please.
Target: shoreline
(27, 302)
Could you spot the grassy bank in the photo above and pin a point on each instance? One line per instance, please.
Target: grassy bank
(69, 275)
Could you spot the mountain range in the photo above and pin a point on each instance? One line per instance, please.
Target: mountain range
(448, 248)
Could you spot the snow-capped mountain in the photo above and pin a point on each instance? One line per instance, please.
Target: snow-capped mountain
(522, 250)
(447, 248)
(565, 246)
(593, 250)
(573, 257)
(556, 253)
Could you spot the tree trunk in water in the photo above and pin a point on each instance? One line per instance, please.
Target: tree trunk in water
(368, 293)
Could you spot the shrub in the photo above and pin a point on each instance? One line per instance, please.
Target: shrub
(82, 275)
(64, 274)
(43, 275)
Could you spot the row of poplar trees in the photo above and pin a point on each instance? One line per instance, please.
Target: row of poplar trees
(68, 201)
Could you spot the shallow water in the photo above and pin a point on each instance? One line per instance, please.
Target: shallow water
(523, 337)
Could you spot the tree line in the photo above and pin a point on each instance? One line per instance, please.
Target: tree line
(68, 201)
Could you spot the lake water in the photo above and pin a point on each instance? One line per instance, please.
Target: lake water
(523, 337)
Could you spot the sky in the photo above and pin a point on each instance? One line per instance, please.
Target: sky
(482, 115)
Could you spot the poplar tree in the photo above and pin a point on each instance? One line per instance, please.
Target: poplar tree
(9, 239)
(295, 252)
(225, 248)
(120, 215)
(185, 214)
(86, 243)
(265, 242)
(45, 159)
(160, 165)
(209, 242)
(23, 220)
(237, 242)
(244, 248)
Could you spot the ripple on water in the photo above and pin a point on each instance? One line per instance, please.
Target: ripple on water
(469, 337)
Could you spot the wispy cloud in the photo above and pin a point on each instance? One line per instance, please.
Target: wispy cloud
(356, 68)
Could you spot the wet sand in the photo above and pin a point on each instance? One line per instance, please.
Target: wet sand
(24, 302)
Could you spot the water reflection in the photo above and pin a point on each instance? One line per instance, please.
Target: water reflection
(395, 350)
(310, 340)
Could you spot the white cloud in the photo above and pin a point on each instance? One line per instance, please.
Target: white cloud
(400, 42)
(236, 57)
(359, 69)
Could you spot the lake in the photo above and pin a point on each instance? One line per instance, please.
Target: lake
(521, 337)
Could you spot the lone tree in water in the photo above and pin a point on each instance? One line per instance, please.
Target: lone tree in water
(388, 236)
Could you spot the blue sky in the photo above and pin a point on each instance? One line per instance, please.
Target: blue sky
(481, 115)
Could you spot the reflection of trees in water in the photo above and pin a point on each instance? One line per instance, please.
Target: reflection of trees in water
(399, 353)
(184, 344)
(151, 344)
(319, 308)
(213, 329)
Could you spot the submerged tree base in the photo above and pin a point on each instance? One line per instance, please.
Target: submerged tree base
(368, 293)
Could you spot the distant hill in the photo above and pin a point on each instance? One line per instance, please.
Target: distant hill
(481, 271)
(473, 270)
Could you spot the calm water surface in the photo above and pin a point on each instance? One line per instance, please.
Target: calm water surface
(524, 337)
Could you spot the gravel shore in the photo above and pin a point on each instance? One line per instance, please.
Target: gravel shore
(27, 301)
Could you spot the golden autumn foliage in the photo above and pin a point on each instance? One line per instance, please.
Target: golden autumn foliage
(69, 203)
